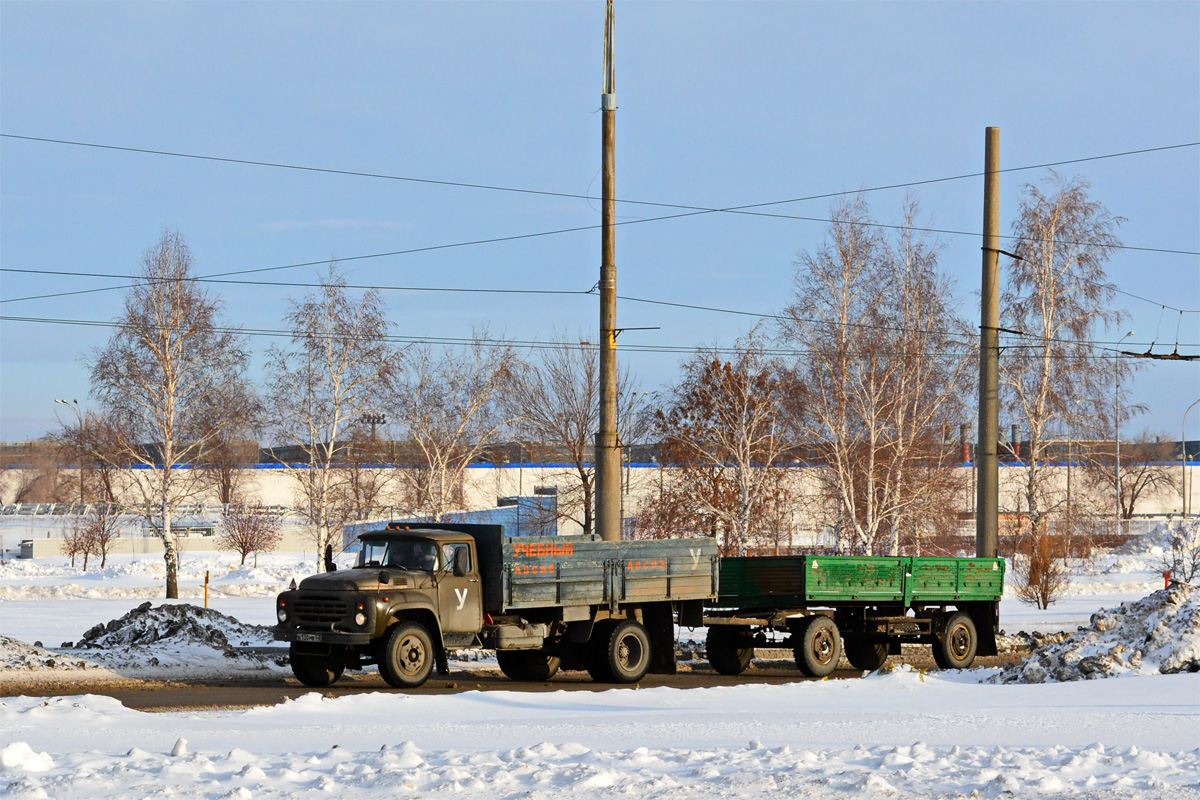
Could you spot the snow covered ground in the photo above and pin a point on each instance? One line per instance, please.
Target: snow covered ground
(900, 734)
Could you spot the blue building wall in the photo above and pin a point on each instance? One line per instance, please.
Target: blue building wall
(520, 516)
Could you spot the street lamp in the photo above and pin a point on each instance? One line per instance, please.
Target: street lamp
(74, 406)
(1117, 398)
(1183, 459)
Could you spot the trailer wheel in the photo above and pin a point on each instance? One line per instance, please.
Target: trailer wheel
(819, 647)
(407, 657)
(728, 650)
(527, 665)
(315, 671)
(865, 655)
(628, 652)
(956, 643)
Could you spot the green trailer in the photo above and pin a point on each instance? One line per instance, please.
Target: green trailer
(812, 604)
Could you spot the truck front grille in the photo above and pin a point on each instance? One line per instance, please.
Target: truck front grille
(319, 611)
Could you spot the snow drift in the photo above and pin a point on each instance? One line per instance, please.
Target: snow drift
(1158, 634)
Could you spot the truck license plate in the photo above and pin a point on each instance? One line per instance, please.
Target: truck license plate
(308, 637)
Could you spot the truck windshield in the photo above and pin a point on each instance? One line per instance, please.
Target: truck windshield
(402, 554)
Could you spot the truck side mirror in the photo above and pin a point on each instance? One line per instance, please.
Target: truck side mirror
(461, 560)
(330, 566)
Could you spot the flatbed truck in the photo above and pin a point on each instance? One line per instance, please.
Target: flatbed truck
(419, 592)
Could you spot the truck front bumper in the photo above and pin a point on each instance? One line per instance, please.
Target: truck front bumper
(321, 637)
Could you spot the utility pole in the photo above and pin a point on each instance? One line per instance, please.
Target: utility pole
(1117, 422)
(987, 499)
(608, 450)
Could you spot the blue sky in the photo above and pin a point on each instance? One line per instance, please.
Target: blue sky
(721, 104)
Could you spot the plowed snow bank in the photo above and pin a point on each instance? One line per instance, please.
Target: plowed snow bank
(1158, 634)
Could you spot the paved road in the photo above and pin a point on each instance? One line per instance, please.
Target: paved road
(272, 689)
(176, 696)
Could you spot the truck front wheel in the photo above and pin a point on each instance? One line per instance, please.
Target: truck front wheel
(818, 647)
(956, 643)
(527, 665)
(407, 656)
(628, 652)
(728, 648)
(315, 671)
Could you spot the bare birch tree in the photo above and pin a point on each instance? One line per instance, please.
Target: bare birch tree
(446, 406)
(169, 363)
(332, 373)
(1148, 465)
(722, 421)
(881, 379)
(248, 528)
(555, 404)
(1057, 294)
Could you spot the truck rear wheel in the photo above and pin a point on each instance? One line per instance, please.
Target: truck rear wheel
(728, 648)
(527, 665)
(596, 660)
(956, 643)
(315, 671)
(818, 646)
(407, 657)
(865, 655)
(628, 652)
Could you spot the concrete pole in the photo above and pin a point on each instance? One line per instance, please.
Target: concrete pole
(1183, 460)
(987, 499)
(1117, 412)
(608, 452)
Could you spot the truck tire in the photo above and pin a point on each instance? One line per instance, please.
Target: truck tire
(628, 652)
(956, 643)
(865, 655)
(596, 660)
(818, 646)
(407, 657)
(527, 665)
(315, 671)
(728, 649)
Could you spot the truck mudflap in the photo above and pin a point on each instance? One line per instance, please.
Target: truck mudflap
(320, 637)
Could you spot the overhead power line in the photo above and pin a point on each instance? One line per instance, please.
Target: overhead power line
(536, 292)
(571, 195)
(747, 209)
(538, 344)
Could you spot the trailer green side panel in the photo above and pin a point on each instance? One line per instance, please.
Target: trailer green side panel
(775, 582)
(849, 578)
(962, 579)
(541, 571)
(762, 582)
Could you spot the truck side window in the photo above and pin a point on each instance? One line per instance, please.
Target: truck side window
(448, 554)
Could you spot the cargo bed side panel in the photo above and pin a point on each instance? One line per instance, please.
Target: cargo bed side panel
(849, 578)
(957, 579)
(571, 571)
(762, 582)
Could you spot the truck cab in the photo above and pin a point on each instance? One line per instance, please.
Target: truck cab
(423, 583)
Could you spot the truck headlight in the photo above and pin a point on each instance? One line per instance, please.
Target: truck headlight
(360, 619)
(281, 612)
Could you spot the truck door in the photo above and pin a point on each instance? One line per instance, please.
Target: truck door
(460, 599)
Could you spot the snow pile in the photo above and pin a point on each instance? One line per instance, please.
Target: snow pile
(177, 635)
(1157, 634)
(1156, 541)
(16, 655)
